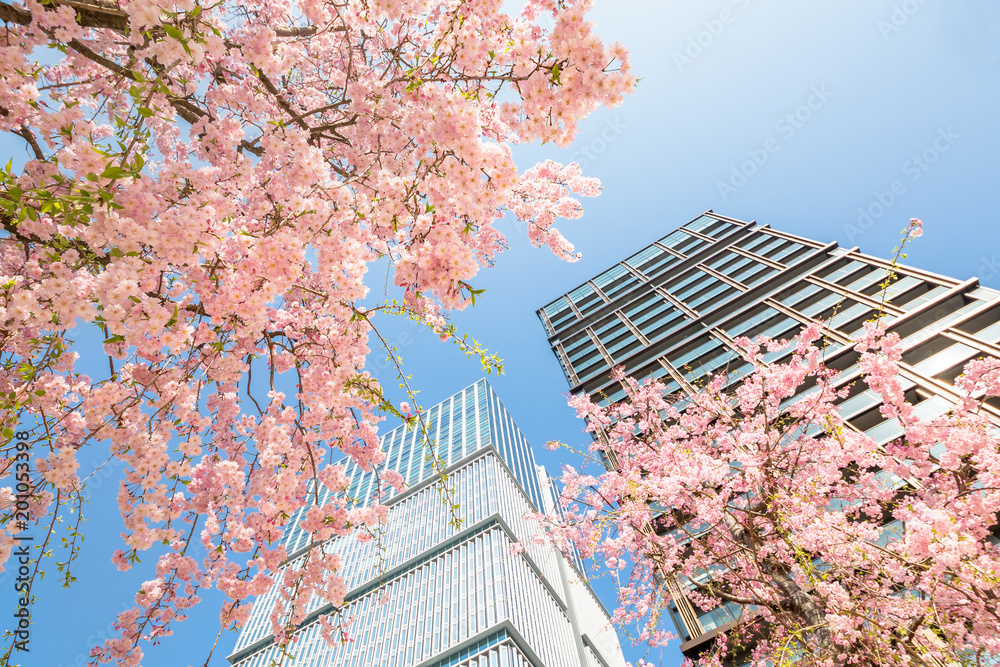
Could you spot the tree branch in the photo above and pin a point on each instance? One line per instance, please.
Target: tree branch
(96, 14)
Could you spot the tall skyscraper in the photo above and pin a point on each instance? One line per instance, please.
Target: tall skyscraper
(457, 597)
(673, 309)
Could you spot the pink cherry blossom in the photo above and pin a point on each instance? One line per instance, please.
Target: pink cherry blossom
(207, 186)
(848, 553)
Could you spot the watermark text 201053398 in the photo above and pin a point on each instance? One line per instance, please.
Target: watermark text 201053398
(21, 556)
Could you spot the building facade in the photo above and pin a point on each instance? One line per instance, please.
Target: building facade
(456, 596)
(673, 310)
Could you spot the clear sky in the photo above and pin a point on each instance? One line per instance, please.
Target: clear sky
(837, 121)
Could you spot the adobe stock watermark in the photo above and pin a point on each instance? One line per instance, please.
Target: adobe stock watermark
(596, 147)
(402, 340)
(97, 638)
(914, 169)
(21, 556)
(714, 28)
(786, 127)
(587, 152)
(899, 17)
(988, 269)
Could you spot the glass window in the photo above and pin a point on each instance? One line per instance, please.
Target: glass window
(717, 294)
(849, 314)
(945, 359)
(769, 323)
(644, 257)
(793, 254)
(649, 312)
(731, 264)
(585, 297)
(818, 309)
(719, 616)
(719, 229)
(683, 281)
(652, 261)
(671, 320)
(858, 404)
(901, 286)
(837, 275)
(769, 248)
(753, 242)
(939, 325)
(891, 532)
(674, 239)
(616, 281)
(784, 254)
(874, 277)
(715, 360)
(985, 294)
(690, 246)
(920, 300)
(678, 622)
(559, 313)
(701, 282)
(580, 345)
(886, 431)
(754, 273)
(618, 339)
(990, 334)
(806, 290)
(700, 224)
(694, 356)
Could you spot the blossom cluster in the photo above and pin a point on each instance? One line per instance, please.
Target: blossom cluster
(207, 186)
(759, 496)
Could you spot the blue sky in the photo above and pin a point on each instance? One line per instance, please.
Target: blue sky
(836, 121)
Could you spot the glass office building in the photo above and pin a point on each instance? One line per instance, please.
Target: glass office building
(673, 309)
(456, 596)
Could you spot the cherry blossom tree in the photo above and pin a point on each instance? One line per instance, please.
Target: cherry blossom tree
(207, 183)
(764, 498)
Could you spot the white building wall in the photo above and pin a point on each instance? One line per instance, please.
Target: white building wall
(451, 592)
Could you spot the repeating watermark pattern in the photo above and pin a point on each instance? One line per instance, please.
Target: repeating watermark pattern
(787, 126)
(587, 154)
(714, 28)
(914, 168)
(21, 556)
(96, 638)
(596, 147)
(988, 269)
(899, 17)
(401, 341)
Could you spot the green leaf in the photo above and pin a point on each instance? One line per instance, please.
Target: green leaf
(115, 339)
(173, 320)
(172, 31)
(114, 172)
